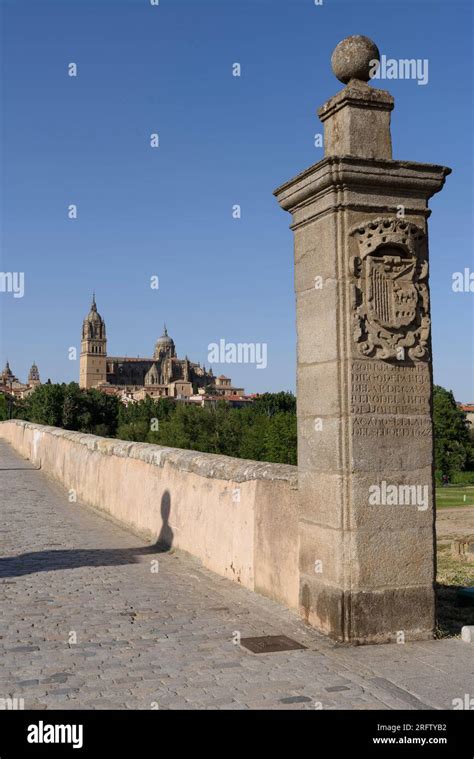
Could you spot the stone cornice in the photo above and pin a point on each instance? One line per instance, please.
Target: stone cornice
(368, 208)
(358, 95)
(349, 172)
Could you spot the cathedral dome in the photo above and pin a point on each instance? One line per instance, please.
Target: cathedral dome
(94, 325)
(165, 343)
(93, 315)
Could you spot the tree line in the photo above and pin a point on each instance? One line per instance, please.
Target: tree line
(263, 431)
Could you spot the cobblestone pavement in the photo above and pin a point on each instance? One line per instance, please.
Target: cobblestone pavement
(147, 639)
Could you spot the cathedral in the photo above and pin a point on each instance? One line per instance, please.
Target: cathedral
(163, 375)
(11, 385)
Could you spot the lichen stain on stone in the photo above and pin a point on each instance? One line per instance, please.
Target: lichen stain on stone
(306, 601)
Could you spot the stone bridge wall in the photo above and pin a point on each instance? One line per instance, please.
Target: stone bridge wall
(238, 517)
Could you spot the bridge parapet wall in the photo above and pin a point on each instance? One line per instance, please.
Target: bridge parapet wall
(238, 517)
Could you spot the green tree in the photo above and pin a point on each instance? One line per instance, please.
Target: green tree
(453, 449)
(280, 438)
(45, 405)
(252, 437)
(3, 408)
(101, 413)
(263, 431)
(71, 407)
(273, 403)
(137, 431)
(74, 407)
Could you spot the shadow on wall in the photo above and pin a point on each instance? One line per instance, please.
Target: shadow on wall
(165, 538)
(73, 558)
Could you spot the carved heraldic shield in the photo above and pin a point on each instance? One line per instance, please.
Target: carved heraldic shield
(390, 292)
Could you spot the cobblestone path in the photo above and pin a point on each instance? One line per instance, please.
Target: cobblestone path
(86, 622)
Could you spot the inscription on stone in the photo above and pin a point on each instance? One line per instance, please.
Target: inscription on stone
(372, 426)
(380, 388)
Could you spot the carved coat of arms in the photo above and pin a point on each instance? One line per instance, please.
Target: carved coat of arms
(390, 294)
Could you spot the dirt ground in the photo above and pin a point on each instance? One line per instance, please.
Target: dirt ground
(454, 524)
(453, 572)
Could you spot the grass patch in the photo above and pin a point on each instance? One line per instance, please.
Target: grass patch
(453, 573)
(453, 496)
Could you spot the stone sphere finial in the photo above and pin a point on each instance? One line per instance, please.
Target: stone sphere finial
(353, 58)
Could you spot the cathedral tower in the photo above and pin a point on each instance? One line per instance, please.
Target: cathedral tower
(93, 349)
(33, 376)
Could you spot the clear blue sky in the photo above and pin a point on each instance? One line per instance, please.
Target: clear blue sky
(223, 141)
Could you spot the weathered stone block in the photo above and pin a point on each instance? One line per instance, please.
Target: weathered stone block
(320, 444)
(321, 497)
(321, 552)
(399, 442)
(318, 390)
(317, 324)
(389, 499)
(382, 559)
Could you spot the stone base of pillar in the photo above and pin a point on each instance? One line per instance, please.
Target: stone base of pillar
(364, 617)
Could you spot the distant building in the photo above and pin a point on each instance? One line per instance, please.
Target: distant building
(164, 375)
(11, 385)
(468, 409)
(7, 378)
(223, 386)
(202, 399)
(33, 376)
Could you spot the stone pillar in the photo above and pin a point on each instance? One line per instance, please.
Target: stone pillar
(364, 385)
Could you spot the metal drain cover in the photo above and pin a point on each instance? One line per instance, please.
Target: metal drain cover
(269, 644)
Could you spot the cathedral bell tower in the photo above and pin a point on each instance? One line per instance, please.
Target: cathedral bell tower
(93, 370)
(33, 376)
